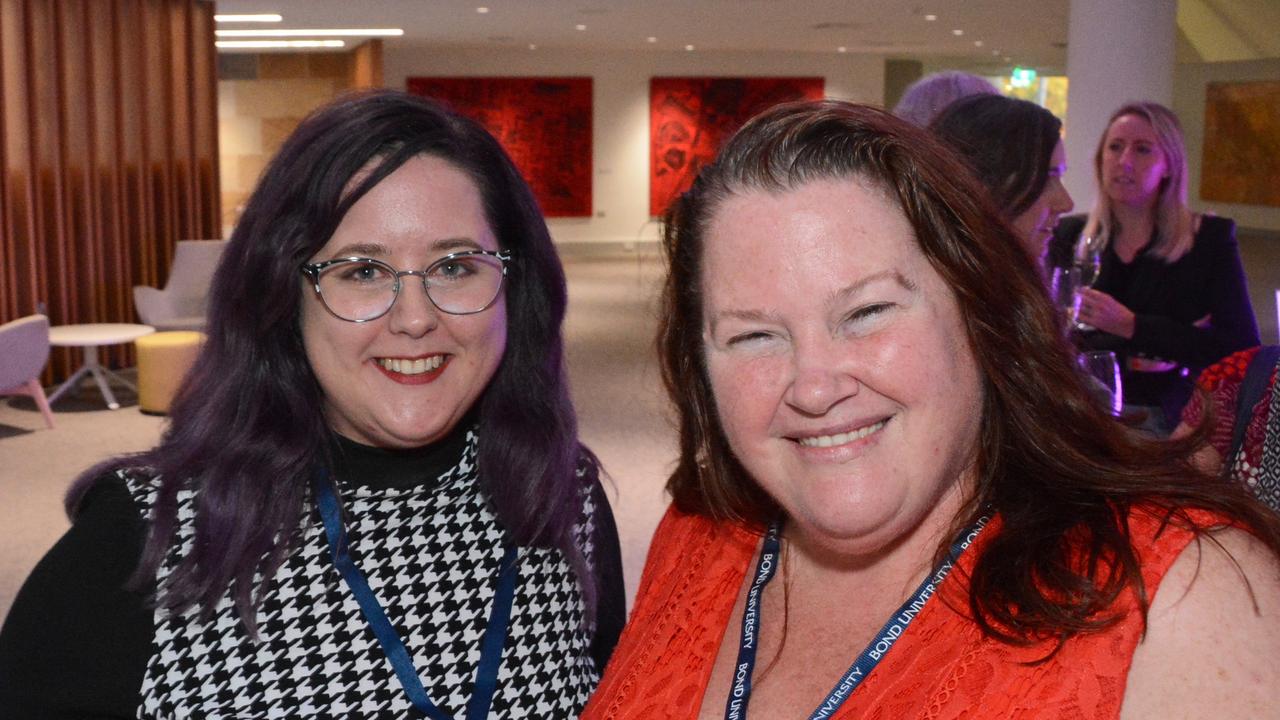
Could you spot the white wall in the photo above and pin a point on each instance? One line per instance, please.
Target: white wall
(620, 129)
(1188, 102)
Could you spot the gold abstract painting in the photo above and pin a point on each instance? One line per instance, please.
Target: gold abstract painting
(1241, 162)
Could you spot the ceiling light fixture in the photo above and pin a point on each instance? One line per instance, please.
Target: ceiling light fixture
(532, 46)
(957, 32)
(482, 10)
(688, 48)
(580, 26)
(260, 17)
(234, 44)
(651, 39)
(842, 49)
(977, 43)
(931, 17)
(318, 32)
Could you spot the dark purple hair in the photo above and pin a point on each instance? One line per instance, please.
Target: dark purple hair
(247, 428)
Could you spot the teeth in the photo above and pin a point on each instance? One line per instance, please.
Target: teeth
(842, 438)
(411, 367)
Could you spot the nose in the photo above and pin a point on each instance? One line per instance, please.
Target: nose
(413, 314)
(821, 378)
(1062, 202)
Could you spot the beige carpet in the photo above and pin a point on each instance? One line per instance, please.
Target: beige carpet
(615, 386)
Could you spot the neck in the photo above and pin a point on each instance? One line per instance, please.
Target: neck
(1136, 224)
(893, 568)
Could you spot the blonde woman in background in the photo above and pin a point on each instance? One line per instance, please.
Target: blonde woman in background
(1170, 297)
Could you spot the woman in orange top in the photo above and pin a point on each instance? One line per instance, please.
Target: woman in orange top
(895, 499)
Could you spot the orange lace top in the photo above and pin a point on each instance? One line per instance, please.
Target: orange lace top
(941, 667)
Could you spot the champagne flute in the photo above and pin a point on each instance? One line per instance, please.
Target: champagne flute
(1087, 259)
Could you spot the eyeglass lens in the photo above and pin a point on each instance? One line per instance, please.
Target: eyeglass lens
(359, 290)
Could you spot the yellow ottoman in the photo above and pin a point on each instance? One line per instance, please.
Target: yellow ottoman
(163, 360)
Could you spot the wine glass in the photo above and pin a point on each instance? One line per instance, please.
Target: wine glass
(1064, 288)
(1087, 258)
(1102, 372)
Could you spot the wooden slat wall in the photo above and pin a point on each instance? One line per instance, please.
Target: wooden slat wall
(109, 153)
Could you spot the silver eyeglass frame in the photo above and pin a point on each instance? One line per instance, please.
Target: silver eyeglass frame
(313, 270)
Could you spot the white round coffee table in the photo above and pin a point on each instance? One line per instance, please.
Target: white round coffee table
(91, 336)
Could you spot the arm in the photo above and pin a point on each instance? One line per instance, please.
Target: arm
(1209, 650)
(1230, 324)
(76, 643)
(611, 598)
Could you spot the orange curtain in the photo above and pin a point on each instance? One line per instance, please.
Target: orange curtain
(109, 150)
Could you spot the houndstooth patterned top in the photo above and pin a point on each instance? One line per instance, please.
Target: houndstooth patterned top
(431, 554)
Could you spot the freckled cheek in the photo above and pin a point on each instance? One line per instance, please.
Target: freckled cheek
(747, 393)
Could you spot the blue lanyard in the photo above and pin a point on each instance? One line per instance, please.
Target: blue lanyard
(740, 692)
(495, 633)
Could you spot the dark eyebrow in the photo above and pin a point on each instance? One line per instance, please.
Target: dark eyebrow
(378, 250)
(456, 244)
(364, 249)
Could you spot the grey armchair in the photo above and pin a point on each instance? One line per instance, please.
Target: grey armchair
(24, 349)
(181, 304)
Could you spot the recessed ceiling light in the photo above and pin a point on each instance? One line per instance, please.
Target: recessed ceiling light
(651, 39)
(1007, 58)
(842, 49)
(977, 43)
(931, 17)
(957, 32)
(580, 26)
(532, 46)
(231, 44)
(319, 32)
(260, 17)
(482, 10)
(995, 52)
(689, 48)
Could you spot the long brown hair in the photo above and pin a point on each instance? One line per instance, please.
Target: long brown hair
(1061, 473)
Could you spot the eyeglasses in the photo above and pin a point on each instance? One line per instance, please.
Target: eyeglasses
(360, 289)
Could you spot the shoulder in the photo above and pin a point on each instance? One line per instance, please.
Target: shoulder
(1216, 227)
(1215, 236)
(1228, 371)
(1213, 633)
(77, 617)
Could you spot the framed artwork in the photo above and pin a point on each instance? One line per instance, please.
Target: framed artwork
(1241, 154)
(544, 123)
(690, 117)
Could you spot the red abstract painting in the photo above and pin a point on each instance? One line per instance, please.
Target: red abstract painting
(543, 123)
(689, 118)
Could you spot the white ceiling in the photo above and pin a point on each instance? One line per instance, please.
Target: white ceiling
(1028, 33)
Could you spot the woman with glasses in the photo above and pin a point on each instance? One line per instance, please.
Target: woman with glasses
(895, 497)
(371, 500)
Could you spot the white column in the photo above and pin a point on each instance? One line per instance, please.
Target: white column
(1117, 51)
